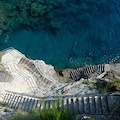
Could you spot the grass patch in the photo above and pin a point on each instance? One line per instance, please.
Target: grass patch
(52, 114)
(85, 82)
(0, 56)
(55, 113)
(101, 86)
(114, 85)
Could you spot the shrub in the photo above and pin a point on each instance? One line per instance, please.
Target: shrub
(114, 85)
(55, 113)
(101, 86)
(0, 56)
(85, 82)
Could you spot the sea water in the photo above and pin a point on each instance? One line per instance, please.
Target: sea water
(94, 41)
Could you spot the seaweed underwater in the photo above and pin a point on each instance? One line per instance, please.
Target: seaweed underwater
(71, 33)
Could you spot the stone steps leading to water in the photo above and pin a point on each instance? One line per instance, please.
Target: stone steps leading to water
(16, 54)
(77, 73)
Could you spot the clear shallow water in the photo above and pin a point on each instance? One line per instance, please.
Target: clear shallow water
(94, 40)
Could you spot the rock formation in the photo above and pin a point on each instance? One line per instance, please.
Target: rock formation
(37, 78)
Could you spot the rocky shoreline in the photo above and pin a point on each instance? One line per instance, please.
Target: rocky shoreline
(41, 79)
(34, 79)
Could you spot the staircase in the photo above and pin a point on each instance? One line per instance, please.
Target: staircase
(77, 73)
(82, 104)
(41, 81)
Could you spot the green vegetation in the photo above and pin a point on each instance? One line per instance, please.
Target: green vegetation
(55, 113)
(101, 86)
(85, 82)
(114, 85)
(1, 66)
(34, 14)
(0, 56)
(45, 115)
(48, 14)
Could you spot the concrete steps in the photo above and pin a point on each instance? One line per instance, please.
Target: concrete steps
(77, 73)
(16, 53)
(41, 81)
(81, 104)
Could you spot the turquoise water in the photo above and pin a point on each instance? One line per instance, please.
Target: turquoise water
(93, 40)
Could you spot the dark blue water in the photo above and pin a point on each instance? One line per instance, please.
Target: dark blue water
(93, 40)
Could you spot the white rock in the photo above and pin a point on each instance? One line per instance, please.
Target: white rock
(24, 81)
(46, 71)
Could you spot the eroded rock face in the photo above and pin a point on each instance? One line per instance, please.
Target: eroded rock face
(47, 71)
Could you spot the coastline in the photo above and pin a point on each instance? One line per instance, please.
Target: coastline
(42, 79)
(32, 81)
